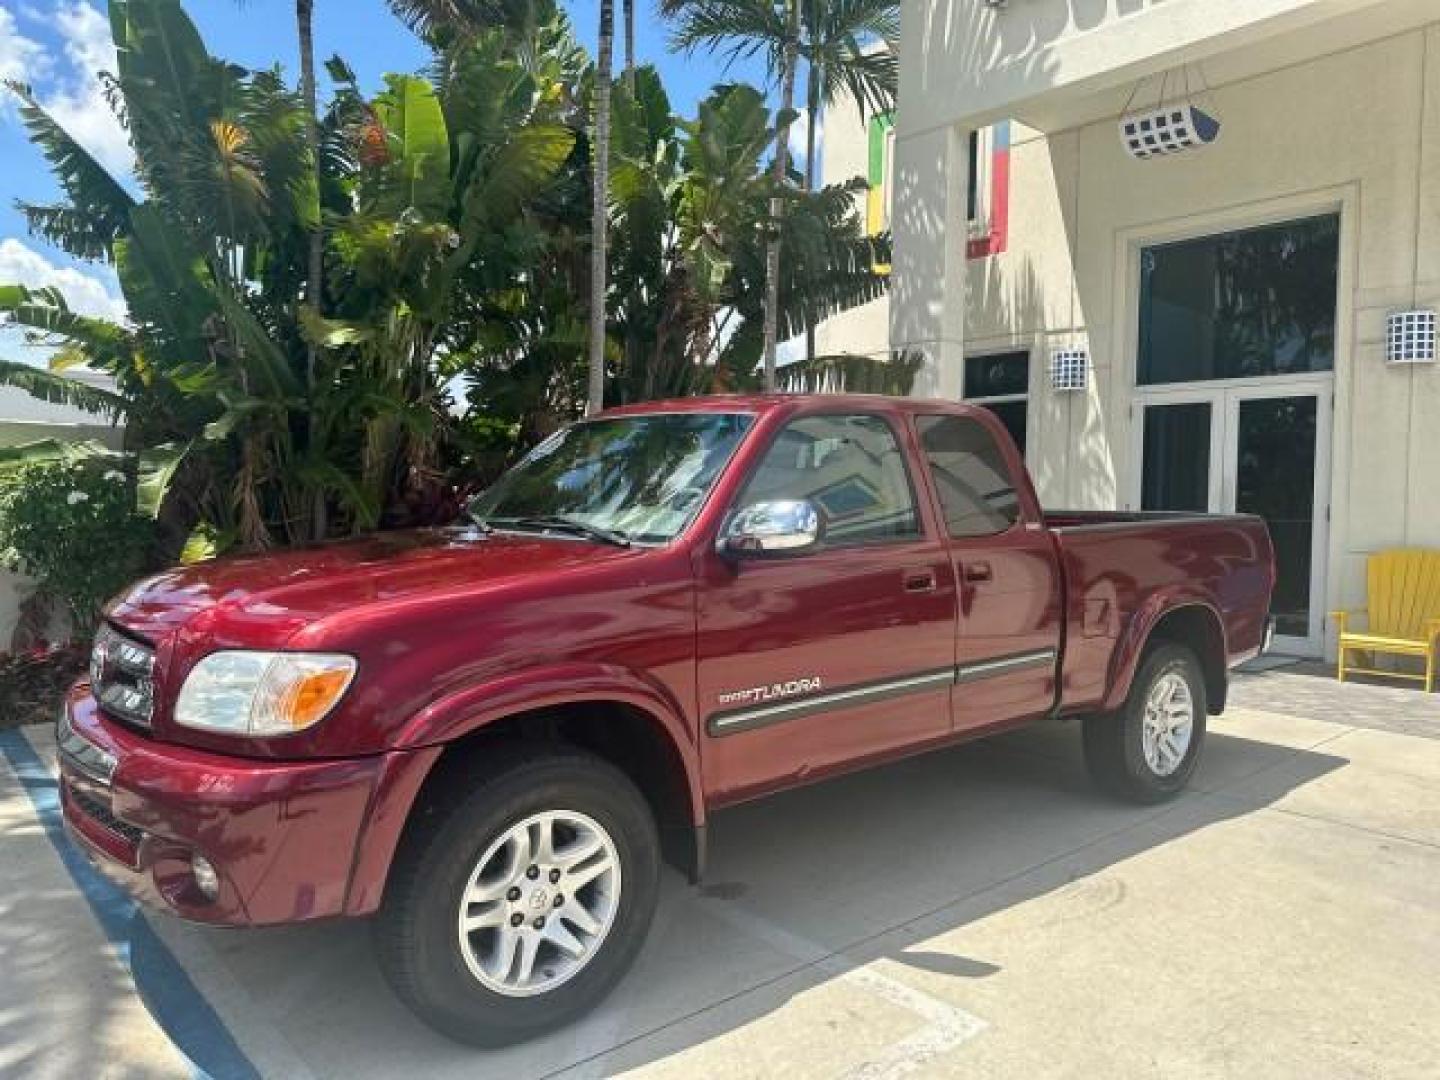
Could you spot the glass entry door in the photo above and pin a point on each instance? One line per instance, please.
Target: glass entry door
(1256, 449)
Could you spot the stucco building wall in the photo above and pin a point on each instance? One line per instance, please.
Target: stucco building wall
(1355, 131)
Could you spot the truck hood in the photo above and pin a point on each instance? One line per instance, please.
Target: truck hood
(261, 600)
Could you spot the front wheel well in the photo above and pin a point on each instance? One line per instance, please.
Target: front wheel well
(1198, 629)
(621, 734)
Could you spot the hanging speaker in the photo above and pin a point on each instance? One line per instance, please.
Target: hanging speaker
(1169, 129)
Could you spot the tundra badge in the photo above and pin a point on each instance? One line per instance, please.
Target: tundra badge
(758, 695)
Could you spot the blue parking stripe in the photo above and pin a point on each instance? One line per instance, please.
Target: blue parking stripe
(163, 985)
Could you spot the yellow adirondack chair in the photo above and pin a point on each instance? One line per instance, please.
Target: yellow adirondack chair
(1403, 618)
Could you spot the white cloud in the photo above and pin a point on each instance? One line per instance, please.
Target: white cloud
(87, 293)
(77, 101)
(21, 58)
(66, 81)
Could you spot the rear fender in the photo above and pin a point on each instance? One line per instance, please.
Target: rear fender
(1131, 647)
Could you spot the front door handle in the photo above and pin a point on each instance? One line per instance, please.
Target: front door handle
(978, 571)
(921, 581)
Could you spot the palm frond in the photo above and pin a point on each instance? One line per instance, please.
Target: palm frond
(99, 205)
(442, 21)
(734, 29)
(61, 389)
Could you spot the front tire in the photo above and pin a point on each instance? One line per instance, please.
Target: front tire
(520, 900)
(1147, 751)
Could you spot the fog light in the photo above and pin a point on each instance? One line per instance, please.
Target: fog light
(206, 879)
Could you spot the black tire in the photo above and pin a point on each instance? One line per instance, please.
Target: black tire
(1114, 749)
(415, 931)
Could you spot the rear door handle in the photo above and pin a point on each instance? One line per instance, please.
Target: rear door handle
(920, 581)
(978, 571)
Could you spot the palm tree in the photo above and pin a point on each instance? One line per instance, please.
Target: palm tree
(600, 209)
(747, 28)
(836, 39)
(436, 19)
(315, 253)
(838, 47)
(433, 190)
(630, 45)
(842, 61)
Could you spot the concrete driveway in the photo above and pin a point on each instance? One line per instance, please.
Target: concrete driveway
(977, 911)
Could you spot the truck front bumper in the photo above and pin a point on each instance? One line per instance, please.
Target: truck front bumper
(283, 838)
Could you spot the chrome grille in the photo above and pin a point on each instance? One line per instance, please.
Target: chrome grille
(122, 676)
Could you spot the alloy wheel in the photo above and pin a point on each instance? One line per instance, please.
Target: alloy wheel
(1168, 723)
(539, 903)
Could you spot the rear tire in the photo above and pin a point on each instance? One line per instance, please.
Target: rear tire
(549, 944)
(1147, 751)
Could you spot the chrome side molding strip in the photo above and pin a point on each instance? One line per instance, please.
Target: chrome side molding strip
(1005, 665)
(732, 723)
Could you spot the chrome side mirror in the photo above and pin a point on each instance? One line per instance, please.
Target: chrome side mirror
(775, 528)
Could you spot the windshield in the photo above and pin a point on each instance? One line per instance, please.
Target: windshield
(642, 478)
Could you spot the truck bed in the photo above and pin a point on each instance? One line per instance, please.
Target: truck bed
(1116, 565)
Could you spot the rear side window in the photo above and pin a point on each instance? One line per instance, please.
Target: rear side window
(851, 468)
(977, 490)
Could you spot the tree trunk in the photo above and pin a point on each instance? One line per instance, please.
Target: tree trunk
(314, 284)
(812, 114)
(777, 202)
(600, 209)
(630, 45)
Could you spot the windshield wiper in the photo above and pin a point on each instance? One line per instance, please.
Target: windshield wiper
(478, 522)
(556, 523)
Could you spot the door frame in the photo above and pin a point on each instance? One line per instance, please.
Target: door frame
(1179, 219)
(1225, 397)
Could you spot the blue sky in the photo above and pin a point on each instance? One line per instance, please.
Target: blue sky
(58, 45)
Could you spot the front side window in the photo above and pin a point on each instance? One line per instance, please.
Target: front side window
(851, 468)
(977, 491)
(642, 478)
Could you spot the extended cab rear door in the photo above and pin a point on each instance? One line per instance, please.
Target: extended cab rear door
(822, 659)
(1005, 562)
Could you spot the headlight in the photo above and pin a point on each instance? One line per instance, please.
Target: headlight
(262, 693)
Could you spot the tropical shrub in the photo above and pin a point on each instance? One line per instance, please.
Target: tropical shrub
(454, 216)
(72, 526)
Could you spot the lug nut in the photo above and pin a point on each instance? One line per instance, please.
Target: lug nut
(559, 900)
(533, 873)
(554, 876)
(539, 923)
(513, 894)
(516, 920)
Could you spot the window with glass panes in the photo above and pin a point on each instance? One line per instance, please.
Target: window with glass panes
(1001, 383)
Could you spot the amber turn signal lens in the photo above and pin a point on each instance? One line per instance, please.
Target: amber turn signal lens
(305, 701)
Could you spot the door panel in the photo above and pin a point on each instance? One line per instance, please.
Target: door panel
(1176, 458)
(815, 661)
(1277, 466)
(1009, 628)
(844, 622)
(1008, 632)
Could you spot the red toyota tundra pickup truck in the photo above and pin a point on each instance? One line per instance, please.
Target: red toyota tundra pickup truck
(489, 737)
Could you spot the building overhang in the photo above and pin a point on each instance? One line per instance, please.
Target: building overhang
(1056, 64)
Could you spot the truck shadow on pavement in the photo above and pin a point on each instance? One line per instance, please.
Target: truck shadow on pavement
(835, 893)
